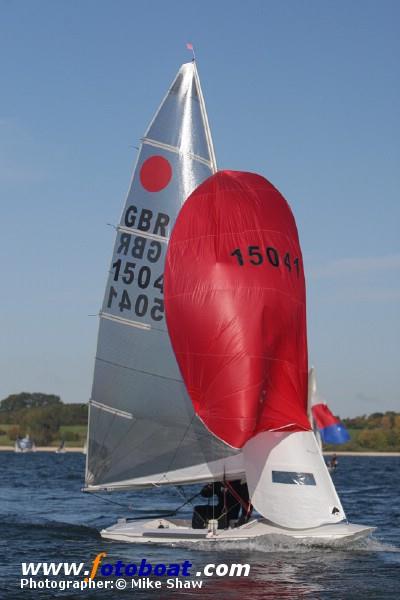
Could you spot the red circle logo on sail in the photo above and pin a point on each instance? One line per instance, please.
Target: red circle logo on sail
(155, 174)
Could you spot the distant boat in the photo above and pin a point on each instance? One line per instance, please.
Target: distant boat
(24, 444)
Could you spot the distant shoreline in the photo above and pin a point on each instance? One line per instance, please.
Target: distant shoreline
(326, 453)
(339, 453)
(43, 449)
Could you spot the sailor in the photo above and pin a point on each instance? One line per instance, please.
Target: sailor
(333, 462)
(233, 500)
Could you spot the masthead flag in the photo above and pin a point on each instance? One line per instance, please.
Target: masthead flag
(189, 46)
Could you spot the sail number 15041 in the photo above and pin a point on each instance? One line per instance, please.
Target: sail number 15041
(139, 304)
(256, 256)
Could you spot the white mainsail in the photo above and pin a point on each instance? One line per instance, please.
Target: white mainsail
(142, 427)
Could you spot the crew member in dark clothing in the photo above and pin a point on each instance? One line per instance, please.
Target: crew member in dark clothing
(333, 462)
(233, 499)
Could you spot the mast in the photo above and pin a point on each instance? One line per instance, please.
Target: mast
(205, 119)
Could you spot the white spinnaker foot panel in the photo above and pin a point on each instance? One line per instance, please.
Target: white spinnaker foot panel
(288, 481)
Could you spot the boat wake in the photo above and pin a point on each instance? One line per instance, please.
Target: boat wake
(280, 543)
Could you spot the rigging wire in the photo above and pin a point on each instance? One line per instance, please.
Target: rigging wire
(125, 506)
(166, 513)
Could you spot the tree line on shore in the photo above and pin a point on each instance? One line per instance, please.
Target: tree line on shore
(379, 432)
(44, 417)
(47, 420)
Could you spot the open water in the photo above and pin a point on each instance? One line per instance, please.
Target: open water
(45, 517)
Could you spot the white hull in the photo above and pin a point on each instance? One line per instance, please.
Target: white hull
(173, 531)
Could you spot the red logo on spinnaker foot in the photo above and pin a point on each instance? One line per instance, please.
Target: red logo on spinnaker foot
(155, 174)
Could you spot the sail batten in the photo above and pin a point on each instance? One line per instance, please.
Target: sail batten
(104, 315)
(110, 409)
(145, 234)
(177, 150)
(135, 369)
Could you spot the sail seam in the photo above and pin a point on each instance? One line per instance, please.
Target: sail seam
(177, 150)
(230, 233)
(123, 321)
(110, 409)
(255, 287)
(114, 364)
(288, 425)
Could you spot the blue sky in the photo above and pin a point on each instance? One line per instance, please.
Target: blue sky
(303, 92)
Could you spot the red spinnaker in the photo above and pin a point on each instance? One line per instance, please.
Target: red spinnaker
(235, 307)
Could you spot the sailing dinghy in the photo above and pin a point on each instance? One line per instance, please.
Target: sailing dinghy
(201, 363)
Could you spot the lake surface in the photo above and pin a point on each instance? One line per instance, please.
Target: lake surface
(45, 517)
